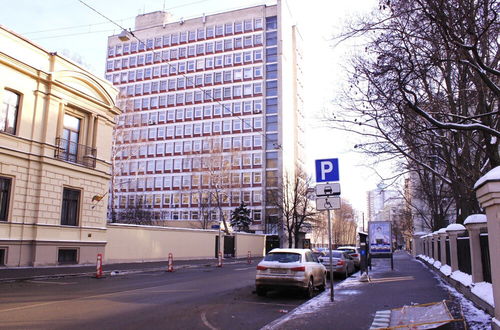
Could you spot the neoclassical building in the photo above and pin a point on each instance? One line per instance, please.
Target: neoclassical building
(56, 124)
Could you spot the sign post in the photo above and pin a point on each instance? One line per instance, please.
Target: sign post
(327, 198)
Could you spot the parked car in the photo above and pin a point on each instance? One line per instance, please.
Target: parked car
(353, 252)
(290, 268)
(343, 264)
(318, 253)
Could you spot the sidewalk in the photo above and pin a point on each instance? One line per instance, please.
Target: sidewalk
(29, 273)
(355, 303)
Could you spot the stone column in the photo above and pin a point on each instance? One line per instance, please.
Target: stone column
(418, 244)
(474, 224)
(435, 238)
(488, 194)
(453, 231)
(442, 238)
(428, 242)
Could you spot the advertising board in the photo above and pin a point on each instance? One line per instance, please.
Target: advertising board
(380, 235)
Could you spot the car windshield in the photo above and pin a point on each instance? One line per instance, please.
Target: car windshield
(349, 250)
(335, 254)
(283, 257)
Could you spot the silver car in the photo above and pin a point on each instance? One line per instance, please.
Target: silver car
(353, 252)
(343, 264)
(290, 268)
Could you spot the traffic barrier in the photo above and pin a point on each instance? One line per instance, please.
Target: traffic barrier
(219, 262)
(170, 263)
(98, 273)
(249, 257)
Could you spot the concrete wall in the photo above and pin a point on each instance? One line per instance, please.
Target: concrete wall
(256, 244)
(134, 243)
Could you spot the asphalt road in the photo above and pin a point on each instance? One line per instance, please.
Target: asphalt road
(193, 298)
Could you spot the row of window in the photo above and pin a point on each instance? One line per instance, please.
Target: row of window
(69, 208)
(207, 111)
(193, 215)
(191, 181)
(182, 131)
(185, 81)
(189, 36)
(195, 199)
(191, 51)
(225, 161)
(211, 95)
(199, 96)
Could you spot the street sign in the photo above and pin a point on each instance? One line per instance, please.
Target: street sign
(327, 189)
(327, 203)
(327, 170)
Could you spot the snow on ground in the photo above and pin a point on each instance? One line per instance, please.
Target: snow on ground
(476, 318)
(484, 290)
(437, 264)
(461, 277)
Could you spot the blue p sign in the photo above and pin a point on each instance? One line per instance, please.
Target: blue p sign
(327, 170)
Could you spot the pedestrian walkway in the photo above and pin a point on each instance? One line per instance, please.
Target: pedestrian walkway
(356, 303)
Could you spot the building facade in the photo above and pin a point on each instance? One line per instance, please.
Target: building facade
(56, 123)
(212, 114)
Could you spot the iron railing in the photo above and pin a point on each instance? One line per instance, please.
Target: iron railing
(463, 251)
(485, 257)
(75, 153)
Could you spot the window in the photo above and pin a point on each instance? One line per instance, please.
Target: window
(70, 136)
(67, 256)
(5, 184)
(70, 207)
(9, 112)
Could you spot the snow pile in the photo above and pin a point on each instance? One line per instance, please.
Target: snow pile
(484, 290)
(476, 218)
(493, 174)
(455, 227)
(446, 270)
(461, 277)
(437, 264)
(476, 318)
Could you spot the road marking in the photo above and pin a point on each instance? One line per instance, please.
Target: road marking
(48, 282)
(246, 268)
(206, 323)
(391, 279)
(91, 297)
(262, 303)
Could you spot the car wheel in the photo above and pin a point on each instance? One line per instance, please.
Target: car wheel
(261, 292)
(308, 293)
(322, 287)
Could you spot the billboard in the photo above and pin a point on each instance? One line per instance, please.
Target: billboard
(380, 235)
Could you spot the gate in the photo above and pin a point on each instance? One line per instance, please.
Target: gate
(228, 246)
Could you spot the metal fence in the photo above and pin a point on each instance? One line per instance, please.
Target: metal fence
(463, 252)
(485, 257)
(75, 153)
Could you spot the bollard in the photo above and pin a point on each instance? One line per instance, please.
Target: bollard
(219, 262)
(170, 263)
(249, 257)
(98, 273)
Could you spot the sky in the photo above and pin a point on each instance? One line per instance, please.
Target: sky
(72, 29)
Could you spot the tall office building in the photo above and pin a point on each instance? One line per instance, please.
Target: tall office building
(212, 108)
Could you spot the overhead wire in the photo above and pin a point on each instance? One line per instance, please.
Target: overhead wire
(191, 80)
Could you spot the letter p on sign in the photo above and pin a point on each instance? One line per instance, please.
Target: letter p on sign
(327, 170)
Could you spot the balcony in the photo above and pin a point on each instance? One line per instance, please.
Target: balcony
(75, 153)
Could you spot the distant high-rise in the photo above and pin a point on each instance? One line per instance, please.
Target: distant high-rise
(212, 113)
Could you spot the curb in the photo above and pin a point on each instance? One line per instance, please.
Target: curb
(109, 272)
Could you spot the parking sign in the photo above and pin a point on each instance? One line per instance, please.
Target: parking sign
(327, 170)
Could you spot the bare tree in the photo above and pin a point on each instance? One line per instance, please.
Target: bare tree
(425, 93)
(294, 204)
(344, 225)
